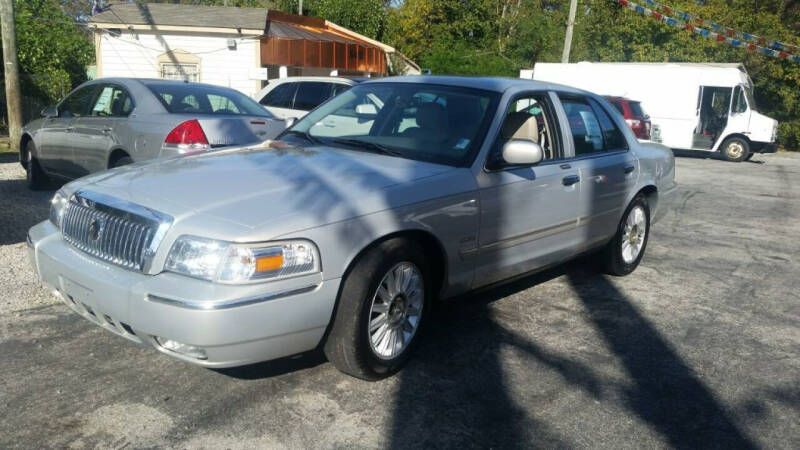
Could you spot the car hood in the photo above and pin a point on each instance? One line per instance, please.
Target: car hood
(284, 189)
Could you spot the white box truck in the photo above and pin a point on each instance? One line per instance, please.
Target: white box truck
(708, 107)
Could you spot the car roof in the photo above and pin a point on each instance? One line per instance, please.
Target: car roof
(497, 84)
(158, 81)
(343, 80)
(620, 99)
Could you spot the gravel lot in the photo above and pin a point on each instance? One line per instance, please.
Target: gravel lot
(700, 347)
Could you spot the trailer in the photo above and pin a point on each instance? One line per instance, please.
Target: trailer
(692, 106)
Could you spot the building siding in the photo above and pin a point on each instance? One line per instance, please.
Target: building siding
(136, 55)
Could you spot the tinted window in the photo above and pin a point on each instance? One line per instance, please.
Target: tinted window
(339, 88)
(426, 122)
(311, 94)
(198, 99)
(77, 104)
(280, 97)
(111, 101)
(619, 108)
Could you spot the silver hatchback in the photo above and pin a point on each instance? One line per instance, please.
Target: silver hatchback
(111, 122)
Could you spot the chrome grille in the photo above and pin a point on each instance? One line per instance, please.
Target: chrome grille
(115, 231)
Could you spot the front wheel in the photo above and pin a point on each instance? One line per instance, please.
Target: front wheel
(735, 149)
(382, 307)
(34, 174)
(623, 254)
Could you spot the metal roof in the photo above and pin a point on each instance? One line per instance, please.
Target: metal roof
(168, 14)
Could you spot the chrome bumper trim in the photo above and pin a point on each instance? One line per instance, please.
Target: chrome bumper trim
(213, 306)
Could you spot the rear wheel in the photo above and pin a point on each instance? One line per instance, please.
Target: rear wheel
(35, 176)
(735, 149)
(382, 307)
(623, 254)
(121, 161)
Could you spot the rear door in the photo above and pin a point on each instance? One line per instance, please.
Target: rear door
(97, 133)
(57, 143)
(607, 168)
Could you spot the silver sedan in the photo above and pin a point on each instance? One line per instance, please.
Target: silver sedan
(111, 122)
(343, 237)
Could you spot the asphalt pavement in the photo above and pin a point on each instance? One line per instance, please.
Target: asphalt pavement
(700, 348)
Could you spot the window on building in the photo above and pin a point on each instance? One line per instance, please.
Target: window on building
(183, 72)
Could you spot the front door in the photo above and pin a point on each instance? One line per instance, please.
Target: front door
(740, 112)
(528, 214)
(607, 169)
(94, 135)
(56, 152)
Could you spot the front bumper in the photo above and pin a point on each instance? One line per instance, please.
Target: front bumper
(234, 325)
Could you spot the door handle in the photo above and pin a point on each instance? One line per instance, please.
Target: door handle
(565, 166)
(69, 129)
(569, 180)
(107, 130)
(629, 168)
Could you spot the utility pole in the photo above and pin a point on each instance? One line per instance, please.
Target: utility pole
(573, 6)
(300, 7)
(11, 71)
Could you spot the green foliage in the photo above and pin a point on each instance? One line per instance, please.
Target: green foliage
(366, 17)
(53, 50)
(502, 36)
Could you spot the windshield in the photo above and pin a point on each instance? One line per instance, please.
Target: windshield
(440, 124)
(184, 98)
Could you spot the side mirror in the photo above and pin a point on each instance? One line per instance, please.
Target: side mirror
(366, 110)
(50, 111)
(518, 152)
(289, 121)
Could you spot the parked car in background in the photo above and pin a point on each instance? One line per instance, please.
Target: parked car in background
(345, 237)
(111, 122)
(634, 115)
(294, 97)
(705, 107)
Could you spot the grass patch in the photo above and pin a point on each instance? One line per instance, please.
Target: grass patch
(4, 144)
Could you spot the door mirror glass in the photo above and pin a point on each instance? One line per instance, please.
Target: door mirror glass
(366, 111)
(522, 152)
(50, 111)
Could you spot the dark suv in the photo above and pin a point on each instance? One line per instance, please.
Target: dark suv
(634, 115)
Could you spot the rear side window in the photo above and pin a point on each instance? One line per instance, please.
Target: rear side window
(280, 97)
(185, 98)
(111, 101)
(592, 129)
(311, 94)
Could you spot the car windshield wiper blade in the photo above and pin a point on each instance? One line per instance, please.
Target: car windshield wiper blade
(303, 134)
(371, 146)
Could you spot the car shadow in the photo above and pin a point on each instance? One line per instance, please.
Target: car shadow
(20, 209)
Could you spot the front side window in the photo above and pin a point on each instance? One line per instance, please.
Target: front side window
(181, 98)
(528, 118)
(440, 124)
(77, 104)
(111, 101)
(739, 102)
(311, 94)
(180, 72)
(280, 97)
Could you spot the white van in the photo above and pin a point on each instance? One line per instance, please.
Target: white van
(707, 107)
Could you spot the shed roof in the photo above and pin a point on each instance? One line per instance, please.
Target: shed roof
(168, 14)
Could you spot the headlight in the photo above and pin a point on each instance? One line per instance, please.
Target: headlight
(57, 206)
(228, 262)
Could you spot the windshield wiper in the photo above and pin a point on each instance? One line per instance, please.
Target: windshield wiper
(370, 146)
(303, 134)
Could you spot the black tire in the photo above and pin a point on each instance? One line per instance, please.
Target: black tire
(348, 344)
(36, 177)
(121, 161)
(735, 149)
(613, 259)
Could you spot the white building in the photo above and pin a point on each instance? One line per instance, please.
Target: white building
(235, 47)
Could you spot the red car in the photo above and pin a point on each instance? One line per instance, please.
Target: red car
(633, 113)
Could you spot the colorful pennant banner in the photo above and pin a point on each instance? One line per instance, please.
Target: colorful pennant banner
(717, 32)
